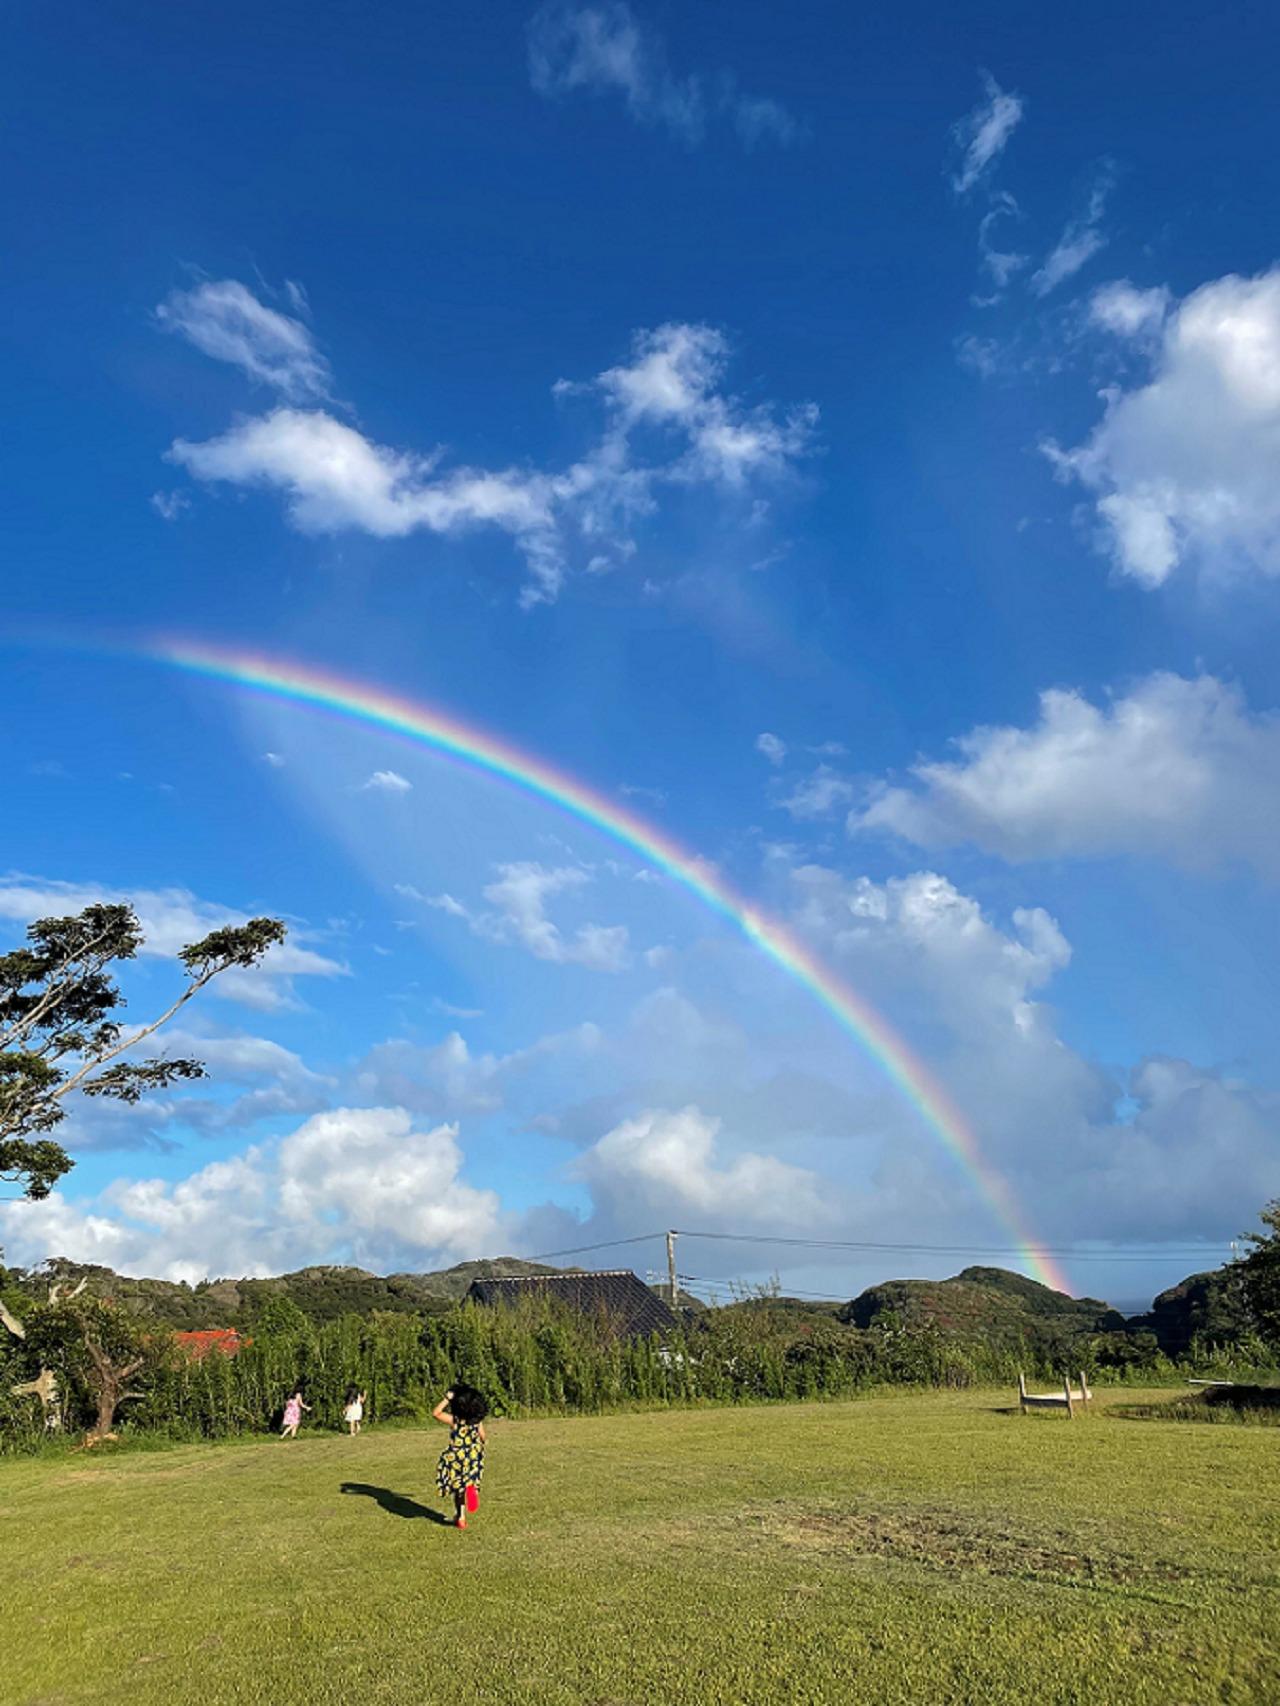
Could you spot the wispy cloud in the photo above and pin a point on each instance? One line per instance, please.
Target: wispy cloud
(668, 420)
(170, 505)
(605, 48)
(999, 264)
(1078, 244)
(227, 321)
(983, 134)
(774, 750)
(517, 913)
(818, 794)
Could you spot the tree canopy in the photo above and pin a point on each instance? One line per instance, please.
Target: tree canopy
(1260, 1273)
(59, 1032)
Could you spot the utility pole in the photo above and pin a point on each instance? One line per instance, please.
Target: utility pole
(671, 1268)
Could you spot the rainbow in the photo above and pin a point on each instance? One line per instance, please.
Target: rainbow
(303, 684)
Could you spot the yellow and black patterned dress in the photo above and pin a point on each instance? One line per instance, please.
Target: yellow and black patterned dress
(461, 1461)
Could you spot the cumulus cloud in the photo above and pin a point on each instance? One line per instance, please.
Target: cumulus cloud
(667, 1160)
(774, 750)
(603, 48)
(226, 320)
(354, 1184)
(924, 930)
(518, 899)
(1185, 465)
(386, 782)
(983, 134)
(333, 478)
(1176, 768)
(1078, 244)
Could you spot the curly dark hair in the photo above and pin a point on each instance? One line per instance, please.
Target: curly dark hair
(468, 1405)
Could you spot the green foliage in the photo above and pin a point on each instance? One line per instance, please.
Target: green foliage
(57, 996)
(1008, 1312)
(1210, 1307)
(99, 1353)
(1260, 1274)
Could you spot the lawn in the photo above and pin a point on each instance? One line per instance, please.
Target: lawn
(919, 1547)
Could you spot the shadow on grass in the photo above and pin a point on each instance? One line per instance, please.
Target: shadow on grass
(395, 1504)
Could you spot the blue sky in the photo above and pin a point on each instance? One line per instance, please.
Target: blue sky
(636, 383)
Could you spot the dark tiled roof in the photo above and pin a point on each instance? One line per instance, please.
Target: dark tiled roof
(619, 1296)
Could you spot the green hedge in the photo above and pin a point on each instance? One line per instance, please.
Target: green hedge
(536, 1356)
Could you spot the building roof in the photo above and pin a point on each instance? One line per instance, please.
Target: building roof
(617, 1295)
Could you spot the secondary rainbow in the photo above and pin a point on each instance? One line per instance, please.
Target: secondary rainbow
(303, 684)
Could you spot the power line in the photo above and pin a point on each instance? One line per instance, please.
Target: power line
(585, 1249)
(691, 1280)
(1121, 1253)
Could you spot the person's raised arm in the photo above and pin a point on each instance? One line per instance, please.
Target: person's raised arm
(441, 1411)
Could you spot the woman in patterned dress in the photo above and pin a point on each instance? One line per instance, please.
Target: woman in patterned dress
(462, 1410)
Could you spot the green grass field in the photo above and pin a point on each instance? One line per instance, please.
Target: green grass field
(923, 1548)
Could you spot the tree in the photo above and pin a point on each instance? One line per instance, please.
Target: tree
(57, 1033)
(94, 1348)
(1260, 1273)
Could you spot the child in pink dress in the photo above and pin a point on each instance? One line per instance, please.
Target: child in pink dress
(293, 1415)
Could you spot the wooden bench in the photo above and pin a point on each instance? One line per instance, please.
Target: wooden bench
(1064, 1400)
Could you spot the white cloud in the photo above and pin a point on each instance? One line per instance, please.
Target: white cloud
(1187, 465)
(274, 759)
(170, 505)
(666, 1161)
(334, 478)
(983, 133)
(226, 321)
(1000, 264)
(387, 782)
(922, 931)
(448, 1078)
(774, 750)
(1078, 244)
(604, 47)
(1176, 768)
(673, 380)
(819, 794)
(360, 1184)
(1127, 311)
(519, 898)
(520, 895)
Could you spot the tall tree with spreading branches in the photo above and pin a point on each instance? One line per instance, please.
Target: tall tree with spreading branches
(58, 1033)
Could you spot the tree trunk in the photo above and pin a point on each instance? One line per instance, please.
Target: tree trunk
(107, 1386)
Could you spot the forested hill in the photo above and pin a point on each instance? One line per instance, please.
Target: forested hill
(993, 1304)
(322, 1293)
(987, 1302)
